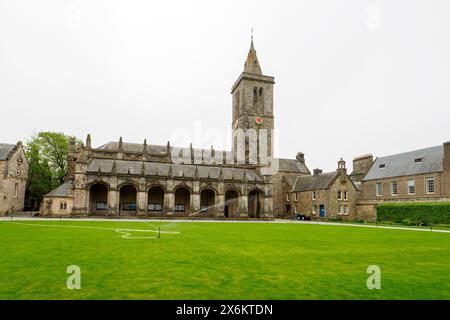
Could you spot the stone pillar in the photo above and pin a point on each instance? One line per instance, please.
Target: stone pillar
(195, 202)
(220, 200)
(169, 202)
(220, 205)
(112, 201)
(141, 203)
(80, 201)
(243, 205)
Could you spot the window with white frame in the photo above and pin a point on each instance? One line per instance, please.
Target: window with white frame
(314, 195)
(295, 197)
(339, 195)
(287, 197)
(345, 211)
(394, 188)
(16, 190)
(411, 187)
(429, 185)
(379, 189)
(345, 195)
(339, 210)
(63, 205)
(314, 210)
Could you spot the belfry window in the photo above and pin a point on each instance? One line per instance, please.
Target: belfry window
(260, 92)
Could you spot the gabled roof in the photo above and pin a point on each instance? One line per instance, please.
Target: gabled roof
(63, 190)
(5, 150)
(318, 182)
(291, 165)
(404, 164)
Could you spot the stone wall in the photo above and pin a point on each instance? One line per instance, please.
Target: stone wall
(13, 182)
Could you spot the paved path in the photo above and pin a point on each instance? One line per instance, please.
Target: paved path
(279, 221)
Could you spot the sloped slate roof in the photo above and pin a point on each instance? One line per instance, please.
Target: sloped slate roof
(290, 180)
(133, 147)
(309, 183)
(178, 170)
(5, 149)
(61, 191)
(403, 164)
(291, 165)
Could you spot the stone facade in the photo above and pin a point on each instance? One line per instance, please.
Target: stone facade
(325, 195)
(154, 180)
(415, 176)
(13, 178)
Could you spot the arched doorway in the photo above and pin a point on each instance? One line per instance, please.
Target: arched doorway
(155, 200)
(207, 201)
(182, 200)
(127, 202)
(254, 203)
(98, 199)
(231, 203)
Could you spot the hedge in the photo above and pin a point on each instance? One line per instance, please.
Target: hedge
(423, 213)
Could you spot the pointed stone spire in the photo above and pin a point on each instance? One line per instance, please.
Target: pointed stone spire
(145, 146)
(88, 141)
(170, 173)
(120, 143)
(252, 63)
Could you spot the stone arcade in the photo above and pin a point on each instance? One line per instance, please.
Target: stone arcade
(154, 180)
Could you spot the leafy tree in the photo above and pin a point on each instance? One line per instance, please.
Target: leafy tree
(47, 159)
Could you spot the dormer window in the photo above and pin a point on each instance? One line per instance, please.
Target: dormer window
(382, 166)
(418, 160)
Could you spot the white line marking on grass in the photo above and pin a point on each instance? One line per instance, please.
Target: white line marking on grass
(126, 233)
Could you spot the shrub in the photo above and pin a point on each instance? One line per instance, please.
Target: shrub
(423, 213)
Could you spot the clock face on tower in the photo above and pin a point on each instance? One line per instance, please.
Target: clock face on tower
(259, 120)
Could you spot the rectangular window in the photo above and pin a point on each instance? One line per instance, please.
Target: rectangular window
(339, 195)
(345, 211)
(101, 206)
(394, 188)
(154, 207)
(411, 187)
(63, 205)
(379, 189)
(203, 208)
(314, 195)
(339, 210)
(429, 185)
(287, 197)
(345, 195)
(295, 197)
(179, 208)
(314, 210)
(16, 190)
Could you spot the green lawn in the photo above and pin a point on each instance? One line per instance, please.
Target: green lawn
(220, 261)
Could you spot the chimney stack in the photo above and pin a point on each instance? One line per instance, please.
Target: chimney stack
(317, 171)
(300, 158)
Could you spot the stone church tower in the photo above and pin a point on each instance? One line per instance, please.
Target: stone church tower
(253, 119)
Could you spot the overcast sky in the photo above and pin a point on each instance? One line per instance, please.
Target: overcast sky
(352, 76)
